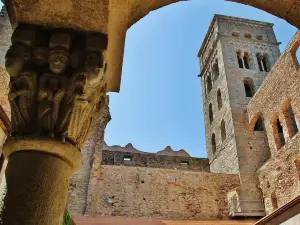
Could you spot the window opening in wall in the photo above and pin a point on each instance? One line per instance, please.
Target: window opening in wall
(235, 34)
(280, 133)
(184, 163)
(223, 130)
(248, 85)
(297, 164)
(246, 60)
(259, 37)
(240, 60)
(209, 84)
(290, 121)
(247, 35)
(259, 61)
(265, 61)
(216, 71)
(259, 125)
(219, 99)
(213, 143)
(274, 201)
(127, 158)
(210, 112)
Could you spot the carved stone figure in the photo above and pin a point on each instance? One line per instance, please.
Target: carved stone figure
(52, 90)
(22, 88)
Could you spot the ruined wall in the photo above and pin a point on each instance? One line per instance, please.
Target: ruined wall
(163, 193)
(279, 177)
(153, 160)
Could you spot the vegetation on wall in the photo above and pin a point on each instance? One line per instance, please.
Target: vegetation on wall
(67, 219)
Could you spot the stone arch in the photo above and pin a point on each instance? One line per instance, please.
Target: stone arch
(295, 51)
(249, 87)
(278, 134)
(253, 121)
(266, 62)
(274, 201)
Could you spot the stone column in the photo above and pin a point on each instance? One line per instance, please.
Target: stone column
(56, 85)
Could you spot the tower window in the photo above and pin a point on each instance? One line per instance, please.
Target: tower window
(219, 99)
(298, 56)
(259, 61)
(210, 112)
(259, 37)
(215, 69)
(223, 130)
(259, 125)
(235, 34)
(246, 60)
(209, 84)
(278, 134)
(247, 35)
(240, 60)
(213, 143)
(265, 62)
(248, 85)
(290, 121)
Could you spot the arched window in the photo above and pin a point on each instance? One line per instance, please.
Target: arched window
(213, 143)
(290, 120)
(266, 63)
(298, 55)
(215, 69)
(274, 201)
(246, 60)
(223, 130)
(259, 125)
(210, 112)
(209, 83)
(248, 85)
(219, 99)
(278, 134)
(240, 60)
(259, 61)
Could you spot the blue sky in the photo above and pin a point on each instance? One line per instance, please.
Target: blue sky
(160, 101)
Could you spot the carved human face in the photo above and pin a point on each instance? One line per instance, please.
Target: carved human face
(93, 65)
(58, 61)
(15, 59)
(40, 56)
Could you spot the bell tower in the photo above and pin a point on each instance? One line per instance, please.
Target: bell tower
(235, 58)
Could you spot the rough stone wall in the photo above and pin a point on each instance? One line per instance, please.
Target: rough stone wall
(82, 183)
(153, 160)
(279, 177)
(163, 193)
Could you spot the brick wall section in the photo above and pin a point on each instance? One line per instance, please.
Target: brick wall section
(163, 193)
(154, 161)
(279, 175)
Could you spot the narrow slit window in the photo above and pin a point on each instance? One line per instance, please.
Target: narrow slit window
(184, 163)
(223, 131)
(213, 143)
(246, 61)
(240, 60)
(266, 64)
(259, 61)
(127, 158)
(274, 201)
(216, 71)
(219, 99)
(209, 84)
(248, 85)
(210, 112)
(278, 134)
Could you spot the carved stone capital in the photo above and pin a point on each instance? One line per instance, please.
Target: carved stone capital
(57, 82)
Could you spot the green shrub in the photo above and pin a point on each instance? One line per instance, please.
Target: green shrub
(67, 218)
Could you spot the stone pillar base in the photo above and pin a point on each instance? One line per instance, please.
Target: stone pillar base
(37, 176)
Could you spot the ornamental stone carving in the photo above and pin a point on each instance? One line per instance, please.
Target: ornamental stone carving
(56, 82)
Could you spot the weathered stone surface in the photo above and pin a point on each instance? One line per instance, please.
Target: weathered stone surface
(279, 176)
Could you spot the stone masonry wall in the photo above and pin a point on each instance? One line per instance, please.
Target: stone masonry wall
(153, 160)
(163, 193)
(279, 177)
